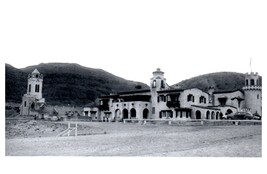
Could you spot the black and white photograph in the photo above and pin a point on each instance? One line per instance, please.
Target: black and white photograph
(133, 86)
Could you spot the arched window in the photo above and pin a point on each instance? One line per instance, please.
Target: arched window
(30, 86)
(190, 97)
(37, 88)
(154, 84)
(25, 104)
(202, 99)
(252, 82)
(162, 84)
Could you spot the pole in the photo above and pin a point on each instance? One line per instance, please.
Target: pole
(68, 129)
(76, 127)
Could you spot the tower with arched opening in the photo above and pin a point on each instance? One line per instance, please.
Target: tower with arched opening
(33, 99)
(157, 83)
(253, 93)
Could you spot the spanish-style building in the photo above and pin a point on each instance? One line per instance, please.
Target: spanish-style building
(163, 102)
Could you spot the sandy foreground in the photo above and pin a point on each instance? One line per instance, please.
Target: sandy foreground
(117, 139)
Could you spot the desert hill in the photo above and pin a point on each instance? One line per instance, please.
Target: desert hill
(221, 81)
(66, 83)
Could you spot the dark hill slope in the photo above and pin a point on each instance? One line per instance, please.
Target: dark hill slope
(221, 81)
(69, 83)
(15, 84)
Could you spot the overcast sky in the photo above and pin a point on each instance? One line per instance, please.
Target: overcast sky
(131, 39)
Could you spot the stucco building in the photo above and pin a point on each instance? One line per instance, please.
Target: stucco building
(163, 102)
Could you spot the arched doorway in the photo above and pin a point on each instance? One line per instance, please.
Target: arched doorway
(208, 115)
(117, 115)
(133, 113)
(198, 114)
(229, 111)
(145, 113)
(212, 115)
(32, 106)
(125, 113)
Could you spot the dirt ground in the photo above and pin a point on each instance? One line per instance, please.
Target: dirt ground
(38, 138)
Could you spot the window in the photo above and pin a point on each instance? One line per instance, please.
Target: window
(25, 104)
(162, 84)
(202, 99)
(252, 82)
(258, 96)
(154, 84)
(153, 110)
(162, 98)
(247, 82)
(37, 88)
(222, 101)
(190, 97)
(30, 87)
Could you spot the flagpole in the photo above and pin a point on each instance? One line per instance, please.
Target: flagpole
(250, 64)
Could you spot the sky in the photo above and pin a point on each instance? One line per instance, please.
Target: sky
(131, 39)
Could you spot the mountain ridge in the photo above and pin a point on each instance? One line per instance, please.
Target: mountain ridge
(67, 83)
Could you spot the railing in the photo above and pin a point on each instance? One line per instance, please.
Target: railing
(68, 131)
(174, 104)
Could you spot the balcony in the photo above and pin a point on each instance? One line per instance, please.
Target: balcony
(104, 107)
(173, 104)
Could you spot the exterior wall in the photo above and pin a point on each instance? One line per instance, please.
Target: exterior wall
(214, 114)
(27, 101)
(182, 115)
(229, 96)
(92, 112)
(117, 108)
(253, 93)
(32, 82)
(197, 93)
(254, 101)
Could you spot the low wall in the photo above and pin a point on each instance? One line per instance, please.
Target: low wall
(194, 122)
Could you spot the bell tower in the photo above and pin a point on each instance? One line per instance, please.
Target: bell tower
(35, 84)
(253, 93)
(33, 99)
(157, 83)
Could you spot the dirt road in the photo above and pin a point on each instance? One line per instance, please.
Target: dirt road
(146, 140)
